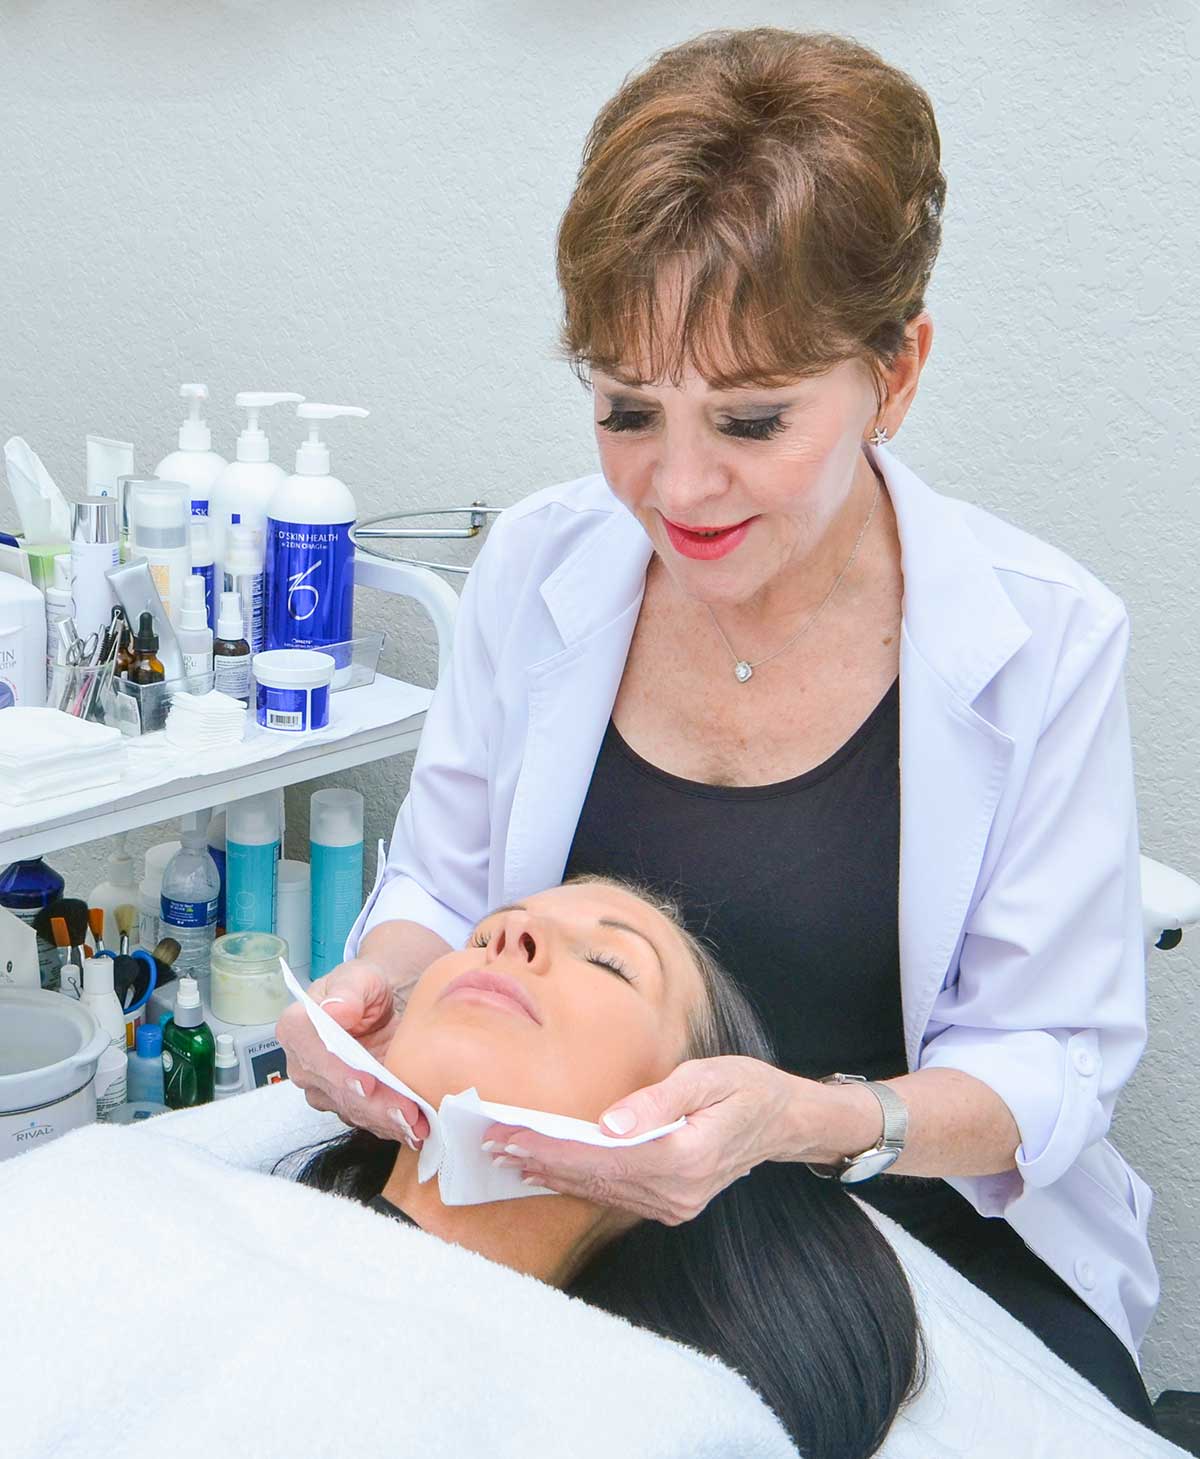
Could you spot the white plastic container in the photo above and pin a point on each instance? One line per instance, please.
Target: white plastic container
(292, 689)
(150, 892)
(94, 548)
(244, 576)
(194, 635)
(243, 490)
(196, 464)
(100, 1000)
(118, 889)
(293, 915)
(159, 533)
(227, 1068)
(22, 641)
(309, 554)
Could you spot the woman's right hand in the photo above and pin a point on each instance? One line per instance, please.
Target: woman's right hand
(359, 997)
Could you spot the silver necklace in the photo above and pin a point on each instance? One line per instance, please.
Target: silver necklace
(741, 668)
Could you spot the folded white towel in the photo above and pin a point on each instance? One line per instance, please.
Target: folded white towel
(44, 752)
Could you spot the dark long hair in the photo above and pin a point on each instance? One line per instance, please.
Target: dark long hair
(783, 1276)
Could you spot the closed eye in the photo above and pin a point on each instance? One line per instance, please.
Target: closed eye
(758, 428)
(612, 964)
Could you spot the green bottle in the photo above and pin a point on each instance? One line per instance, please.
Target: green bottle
(189, 1051)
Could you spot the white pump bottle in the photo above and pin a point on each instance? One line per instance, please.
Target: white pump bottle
(310, 557)
(196, 464)
(242, 491)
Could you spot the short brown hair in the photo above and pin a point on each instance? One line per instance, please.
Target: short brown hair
(795, 176)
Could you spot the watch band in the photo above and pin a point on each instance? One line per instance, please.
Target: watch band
(886, 1150)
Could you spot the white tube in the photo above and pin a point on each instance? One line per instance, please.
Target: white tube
(94, 549)
(106, 460)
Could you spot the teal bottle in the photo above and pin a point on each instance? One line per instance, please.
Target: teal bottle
(189, 1051)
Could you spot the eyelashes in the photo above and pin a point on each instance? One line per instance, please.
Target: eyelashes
(612, 964)
(761, 429)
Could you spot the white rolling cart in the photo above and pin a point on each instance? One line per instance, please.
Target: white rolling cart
(373, 722)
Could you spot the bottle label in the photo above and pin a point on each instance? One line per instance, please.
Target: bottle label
(232, 675)
(189, 914)
(160, 576)
(250, 899)
(205, 574)
(310, 584)
(168, 1062)
(293, 709)
(200, 508)
(197, 665)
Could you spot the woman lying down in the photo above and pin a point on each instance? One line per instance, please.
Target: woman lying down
(782, 1276)
(158, 1272)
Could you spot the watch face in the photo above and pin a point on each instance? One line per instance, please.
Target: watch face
(870, 1164)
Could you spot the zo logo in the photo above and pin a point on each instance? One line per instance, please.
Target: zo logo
(302, 595)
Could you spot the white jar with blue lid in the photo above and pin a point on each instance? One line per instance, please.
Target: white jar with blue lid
(292, 689)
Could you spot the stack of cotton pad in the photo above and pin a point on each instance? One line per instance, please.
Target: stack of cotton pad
(44, 752)
(203, 721)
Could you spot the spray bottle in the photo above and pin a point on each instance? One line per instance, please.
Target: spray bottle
(189, 1051)
(242, 491)
(309, 555)
(196, 464)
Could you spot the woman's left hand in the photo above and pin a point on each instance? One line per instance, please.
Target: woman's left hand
(735, 1108)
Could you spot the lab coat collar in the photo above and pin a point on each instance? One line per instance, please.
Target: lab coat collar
(956, 613)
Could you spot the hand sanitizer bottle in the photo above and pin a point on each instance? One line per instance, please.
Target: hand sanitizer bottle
(242, 491)
(309, 555)
(196, 464)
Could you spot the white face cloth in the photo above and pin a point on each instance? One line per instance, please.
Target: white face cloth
(452, 1149)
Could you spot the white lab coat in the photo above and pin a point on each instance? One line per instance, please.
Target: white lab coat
(1021, 952)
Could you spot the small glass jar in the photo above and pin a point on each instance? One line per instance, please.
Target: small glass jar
(247, 981)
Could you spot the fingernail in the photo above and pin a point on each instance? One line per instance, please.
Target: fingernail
(398, 1117)
(531, 1180)
(356, 1085)
(489, 1145)
(331, 1000)
(503, 1160)
(620, 1121)
(516, 1150)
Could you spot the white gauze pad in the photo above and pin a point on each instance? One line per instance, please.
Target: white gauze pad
(452, 1149)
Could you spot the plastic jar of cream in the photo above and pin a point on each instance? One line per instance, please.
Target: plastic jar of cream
(292, 691)
(247, 981)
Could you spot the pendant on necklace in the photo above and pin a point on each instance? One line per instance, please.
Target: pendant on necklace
(742, 671)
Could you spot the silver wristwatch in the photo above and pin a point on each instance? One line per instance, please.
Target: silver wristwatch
(885, 1151)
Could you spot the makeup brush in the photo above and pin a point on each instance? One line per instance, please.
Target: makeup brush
(96, 923)
(74, 912)
(126, 918)
(131, 977)
(166, 950)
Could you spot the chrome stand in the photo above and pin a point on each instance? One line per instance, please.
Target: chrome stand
(369, 531)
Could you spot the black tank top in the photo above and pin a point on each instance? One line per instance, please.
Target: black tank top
(796, 885)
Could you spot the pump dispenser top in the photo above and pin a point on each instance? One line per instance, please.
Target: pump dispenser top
(194, 434)
(253, 444)
(312, 459)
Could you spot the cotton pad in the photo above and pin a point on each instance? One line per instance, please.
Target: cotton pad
(452, 1149)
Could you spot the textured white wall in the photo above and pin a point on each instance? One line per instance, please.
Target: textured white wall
(358, 202)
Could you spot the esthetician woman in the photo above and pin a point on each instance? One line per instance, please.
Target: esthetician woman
(873, 738)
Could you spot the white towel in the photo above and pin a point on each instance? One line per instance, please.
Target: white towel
(302, 1324)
